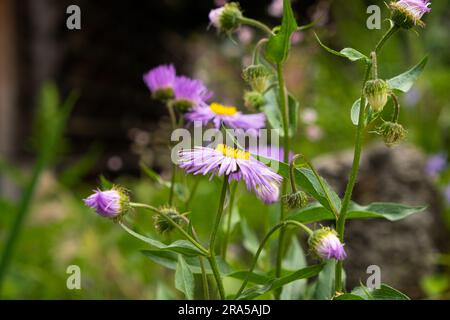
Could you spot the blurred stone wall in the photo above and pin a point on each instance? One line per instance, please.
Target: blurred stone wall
(404, 250)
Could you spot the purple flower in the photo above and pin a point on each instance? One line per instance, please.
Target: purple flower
(214, 17)
(435, 164)
(228, 115)
(326, 245)
(190, 93)
(408, 13)
(234, 164)
(109, 203)
(276, 8)
(161, 81)
(415, 7)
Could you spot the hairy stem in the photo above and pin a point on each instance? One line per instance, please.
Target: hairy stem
(286, 142)
(174, 224)
(212, 241)
(280, 225)
(228, 226)
(340, 223)
(256, 24)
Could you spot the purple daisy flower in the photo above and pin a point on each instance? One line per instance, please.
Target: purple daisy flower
(326, 245)
(109, 203)
(236, 165)
(190, 93)
(161, 81)
(228, 115)
(416, 7)
(435, 164)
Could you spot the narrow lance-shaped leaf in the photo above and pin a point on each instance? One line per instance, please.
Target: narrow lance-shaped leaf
(349, 53)
(389, 211)
(184, 278)
(385, 292)
(276, 283)
(179, 246)
(169, 260)
(277, 48)
(405, 81)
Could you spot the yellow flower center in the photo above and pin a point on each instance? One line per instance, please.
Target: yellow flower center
(232, 152)
(222, 110)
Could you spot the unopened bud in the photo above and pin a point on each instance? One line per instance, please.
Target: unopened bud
(162, 224)
(296, 200)
(376, 92)
(226, 19)
(254, 100)
(393, 133)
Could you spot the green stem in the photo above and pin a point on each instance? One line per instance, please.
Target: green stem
(212, 242)
(256, 24)
(280, 225)
(192, 194)
(173, 223)
(172, 184)
(396, 108)
(173, 120)
(285, 117)
(256, 51)
(340, 223)
(228, 227)
(202, 263)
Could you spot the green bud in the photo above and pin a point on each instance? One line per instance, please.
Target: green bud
(226, 19)
(162, 225)
(254, 100)
(404, 17)
(182, 105)
(393, 133)
(163, 95)
(258, 77)
(296, 200)
(376, 92)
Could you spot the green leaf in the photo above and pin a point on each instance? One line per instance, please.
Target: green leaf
(272, 111)
(252, 277)
(276, 283)
(169, 260)
(277, 49)
(348, 296)
(325, 281)
(250, 240)
(293, 106)
(184, 278)
(295, 260)
(385, 292)
(405, 81)
(179, 246)
(386, 210)
(306, 179)
(349, 53)
(389, 211)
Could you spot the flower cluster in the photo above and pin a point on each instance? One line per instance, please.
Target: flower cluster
(184, 92)
(234, 164)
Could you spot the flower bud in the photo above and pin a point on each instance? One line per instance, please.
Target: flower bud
(408, 13)
(110, 203)
(393, 133)
(325, 244)
(226, 19)
(376, 92)
(254, 100)
(258, 77)
(162, 225)
(296, 200)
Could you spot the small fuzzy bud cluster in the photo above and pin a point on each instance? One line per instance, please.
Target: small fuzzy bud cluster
(162, 224)
(393, 133)
(296, 200)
